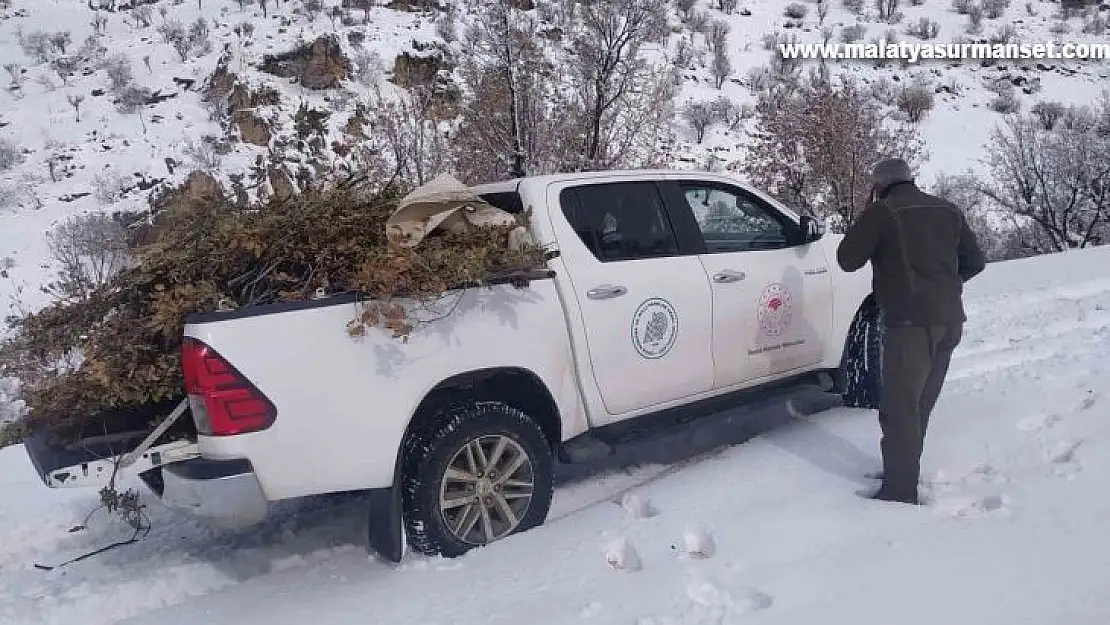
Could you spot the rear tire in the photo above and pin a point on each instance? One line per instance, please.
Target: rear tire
(476, 472)
(860, 373)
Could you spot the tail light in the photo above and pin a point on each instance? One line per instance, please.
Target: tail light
(223, 402)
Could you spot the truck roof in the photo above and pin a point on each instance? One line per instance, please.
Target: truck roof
(513, 184)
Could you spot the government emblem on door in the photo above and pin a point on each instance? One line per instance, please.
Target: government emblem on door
(775, 309)
(654, 328)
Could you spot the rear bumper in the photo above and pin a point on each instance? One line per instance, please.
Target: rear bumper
(223, 493)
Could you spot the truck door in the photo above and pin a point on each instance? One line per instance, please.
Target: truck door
(645, 306)
(771, 296)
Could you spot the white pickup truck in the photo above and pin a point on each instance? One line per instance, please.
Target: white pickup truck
(668, 289)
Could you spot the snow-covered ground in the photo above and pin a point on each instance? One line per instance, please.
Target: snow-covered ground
(1016, 472)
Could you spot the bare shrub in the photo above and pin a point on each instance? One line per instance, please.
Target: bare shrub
(729, 113)
(924, 28)
(1005, 34)
(1060, 28)
(37, 45)
(975, 19)
(118, 68)
(1054, 183)
(206, 154)
(700, 116)
(91, 249)
(886, 9)
(853, 33)
(854, 6)
(796, 11)
(312, 8)
(1005, 100)
(108, 187)
(1095, 25)
(61, 40)
(10, 154)
(963, 7)
(916, 100)
(142, 16)
(995, 9)
(728, 7)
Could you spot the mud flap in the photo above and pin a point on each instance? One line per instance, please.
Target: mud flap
(385, 537)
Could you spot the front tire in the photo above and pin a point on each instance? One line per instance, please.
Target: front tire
(860, 371)
(477, 472)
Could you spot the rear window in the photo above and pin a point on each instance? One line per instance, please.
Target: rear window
(508, 201)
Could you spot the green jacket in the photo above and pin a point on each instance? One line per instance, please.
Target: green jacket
(921, 251)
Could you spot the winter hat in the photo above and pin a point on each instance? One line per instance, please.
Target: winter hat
(890, 172)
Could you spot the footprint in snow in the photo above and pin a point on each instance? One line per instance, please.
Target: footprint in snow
(1062, 458)
(1038, 423)
(958, 507)
(637, 506)
(621, 555)
(697, 544)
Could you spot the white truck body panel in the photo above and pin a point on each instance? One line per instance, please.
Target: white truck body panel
(341, 428)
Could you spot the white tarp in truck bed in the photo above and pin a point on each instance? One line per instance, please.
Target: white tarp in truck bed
(449, 204)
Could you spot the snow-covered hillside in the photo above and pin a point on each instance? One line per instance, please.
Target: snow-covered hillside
(74, 145)
(770, 531)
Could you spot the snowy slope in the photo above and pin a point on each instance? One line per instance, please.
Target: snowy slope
(105, 146)
(1016, 470)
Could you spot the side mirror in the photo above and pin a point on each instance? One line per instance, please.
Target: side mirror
(811, 229)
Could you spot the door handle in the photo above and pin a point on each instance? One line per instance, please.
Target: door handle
(728, 275)
(606, 291)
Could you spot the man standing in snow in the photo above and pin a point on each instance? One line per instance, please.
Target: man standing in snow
(921, 251)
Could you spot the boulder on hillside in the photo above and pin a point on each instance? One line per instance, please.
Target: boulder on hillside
(318, 65)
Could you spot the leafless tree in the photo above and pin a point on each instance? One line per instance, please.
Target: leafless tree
(700, 116)
(132, 100)
(815, 146)
(502, 41)
(10, 154)
(75, 101)
(99, 23)
(1056, 181)
(1049, 113)
(615, 85)
(722, 66)
(822, 11)
(728, 7)
(407, 125)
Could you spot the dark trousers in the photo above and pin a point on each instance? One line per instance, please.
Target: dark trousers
(915, 363)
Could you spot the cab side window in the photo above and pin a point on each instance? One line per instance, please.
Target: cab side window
(731, 220)
(620, 220)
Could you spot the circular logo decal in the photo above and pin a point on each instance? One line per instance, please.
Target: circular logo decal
(654, 328)
(774, 309)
